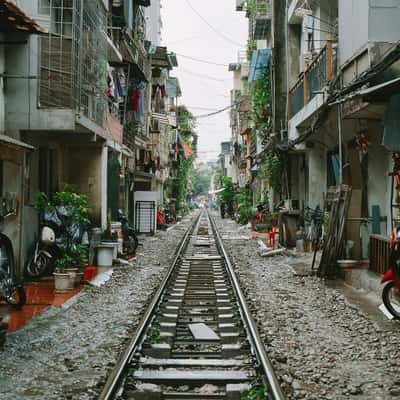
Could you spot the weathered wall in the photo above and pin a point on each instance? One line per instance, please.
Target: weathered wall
(82, 168)
(353, 27)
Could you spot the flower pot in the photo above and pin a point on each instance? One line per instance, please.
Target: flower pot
(89, 273)
(78, 278)
(62, 282)
(72, 274)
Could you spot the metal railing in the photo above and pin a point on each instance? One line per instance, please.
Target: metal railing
(313, 80)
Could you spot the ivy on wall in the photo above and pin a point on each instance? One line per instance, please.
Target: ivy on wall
(260, 94)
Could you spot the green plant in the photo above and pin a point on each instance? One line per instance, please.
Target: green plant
(274, 168)
(255, 393)
(153, 334)
(260, 94)
(245, 207)
(227, 195)
(63, 262)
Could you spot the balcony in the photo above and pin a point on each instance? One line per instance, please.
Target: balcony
(260, 12)
(313, 80)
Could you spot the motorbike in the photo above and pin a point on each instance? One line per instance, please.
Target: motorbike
(130, 240)
(57, 232)
(391, 291)
(11, 289)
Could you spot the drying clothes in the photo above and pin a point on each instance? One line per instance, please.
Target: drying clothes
(110, 89)
(135, 98)
(121, 81)
(163, 91)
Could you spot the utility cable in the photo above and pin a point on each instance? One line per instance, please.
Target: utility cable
(211, 27)
(202, 61)
(202, 75)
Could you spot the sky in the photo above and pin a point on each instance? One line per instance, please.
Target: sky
(205, 87)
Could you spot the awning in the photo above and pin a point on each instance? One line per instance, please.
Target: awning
(15, 143)
(114, 54)
(13, 19)
(259, 62)
(173, 88)
(384, 89)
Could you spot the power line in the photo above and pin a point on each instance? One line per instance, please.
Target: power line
(211, 27)
(202, 75)
(202, 61)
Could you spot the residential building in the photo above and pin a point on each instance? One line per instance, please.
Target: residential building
(16, 29)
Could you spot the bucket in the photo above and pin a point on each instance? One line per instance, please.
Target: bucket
(112, 243)
(105, 254)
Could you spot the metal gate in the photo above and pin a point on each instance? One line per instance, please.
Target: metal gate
(145, 216)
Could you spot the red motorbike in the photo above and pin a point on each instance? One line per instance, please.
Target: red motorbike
(391, 291)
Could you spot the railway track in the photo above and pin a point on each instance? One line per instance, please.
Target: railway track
(197, 339)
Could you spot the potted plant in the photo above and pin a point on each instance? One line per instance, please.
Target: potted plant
(63, 280)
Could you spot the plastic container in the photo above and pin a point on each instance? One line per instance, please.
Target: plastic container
(89, 273)
(105, 254)
(113, 243)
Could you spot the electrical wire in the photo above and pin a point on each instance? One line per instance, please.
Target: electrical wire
(202, 61)
(211, 27)
(202, 75)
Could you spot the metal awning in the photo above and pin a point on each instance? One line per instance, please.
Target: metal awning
(14, 142)
(384, 89)
(260, 60)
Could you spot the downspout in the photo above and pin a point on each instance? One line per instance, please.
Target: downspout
(287, 64)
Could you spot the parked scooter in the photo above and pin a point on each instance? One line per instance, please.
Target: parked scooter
(391, 291)
(11, 289)
(55, 233)
(130, 240)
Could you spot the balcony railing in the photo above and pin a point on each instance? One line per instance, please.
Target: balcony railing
(260, 13)
(312, 80)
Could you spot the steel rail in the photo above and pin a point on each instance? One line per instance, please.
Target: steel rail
(112, 384)
(249, 320)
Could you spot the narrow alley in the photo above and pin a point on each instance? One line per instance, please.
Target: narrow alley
(199, 200)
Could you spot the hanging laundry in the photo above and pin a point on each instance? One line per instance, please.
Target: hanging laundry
(110, 89)
(121, 81)
(163, 91)
(135, 98)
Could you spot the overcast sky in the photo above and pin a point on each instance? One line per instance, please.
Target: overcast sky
(185, 33)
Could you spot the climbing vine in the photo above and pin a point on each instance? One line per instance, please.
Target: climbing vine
(260, 94)
(273, 169)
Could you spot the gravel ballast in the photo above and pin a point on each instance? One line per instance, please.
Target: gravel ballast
(68, 352)
(322, 347)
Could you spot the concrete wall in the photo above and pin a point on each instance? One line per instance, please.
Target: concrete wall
(317, 176)
(353, 27)
(367, 16)
(154, 22)
(82, 168)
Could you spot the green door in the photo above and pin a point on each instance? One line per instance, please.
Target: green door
(112, 185)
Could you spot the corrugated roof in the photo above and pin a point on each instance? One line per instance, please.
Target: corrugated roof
(13, 19)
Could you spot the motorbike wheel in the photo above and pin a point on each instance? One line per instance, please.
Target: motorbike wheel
(131, 243)
(37, 268)
(13, 292)
(391, 298)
